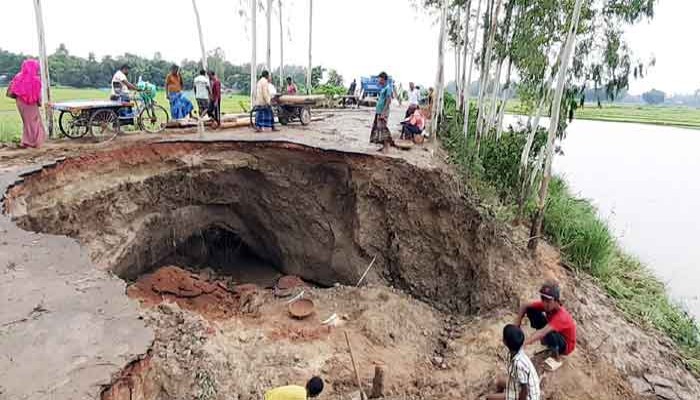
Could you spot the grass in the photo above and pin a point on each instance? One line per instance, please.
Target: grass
(684, 117)
(584, 240)
(11, 124)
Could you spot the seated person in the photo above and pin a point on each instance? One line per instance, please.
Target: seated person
(313, 388)
(523, 382)
(413, 125)
(121, 85)
(556, 328)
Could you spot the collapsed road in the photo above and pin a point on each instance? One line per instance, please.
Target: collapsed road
(147, 270)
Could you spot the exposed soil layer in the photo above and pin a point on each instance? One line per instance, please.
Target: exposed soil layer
(321, 215)
(443, 282)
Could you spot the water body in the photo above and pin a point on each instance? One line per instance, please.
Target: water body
(645, 181)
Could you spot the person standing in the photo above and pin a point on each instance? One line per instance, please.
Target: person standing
(352, 88)
(556, 328)
(202, 92)
(380, 129)
(214, 110)
(291, 86)
(264, 117)
(413, 94)
(25, 88)
(180, 106)
(523, 382)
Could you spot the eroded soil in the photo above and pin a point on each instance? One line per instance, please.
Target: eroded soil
(444, 280)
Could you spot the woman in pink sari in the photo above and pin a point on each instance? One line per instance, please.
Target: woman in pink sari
(25, 88)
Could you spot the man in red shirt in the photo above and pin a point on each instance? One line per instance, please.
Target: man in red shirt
(214, 110)
(556, 328)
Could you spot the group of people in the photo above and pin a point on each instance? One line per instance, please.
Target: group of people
(207, 92)
(413, 124)
(554, 328)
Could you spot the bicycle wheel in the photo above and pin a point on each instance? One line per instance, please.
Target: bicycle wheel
(153, 119)
(72, 126)
(104, 125)
(305, 116)
(252, 117)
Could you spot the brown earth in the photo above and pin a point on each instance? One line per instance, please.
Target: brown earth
(446, 276)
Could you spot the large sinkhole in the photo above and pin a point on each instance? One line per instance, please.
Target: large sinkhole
(261, 209)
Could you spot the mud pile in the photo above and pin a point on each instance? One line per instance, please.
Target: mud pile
(170, 219)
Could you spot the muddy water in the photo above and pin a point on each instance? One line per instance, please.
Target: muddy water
(645, 181)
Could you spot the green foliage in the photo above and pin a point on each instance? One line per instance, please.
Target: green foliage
(334, 78)
(572, 224)
(330, 90)
(69, 70)
(654, 97)
(500, 159)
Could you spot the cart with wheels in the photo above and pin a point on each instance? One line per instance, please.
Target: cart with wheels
(290, 108)
(103, 119)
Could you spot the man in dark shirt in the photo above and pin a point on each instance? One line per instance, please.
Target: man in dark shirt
(214, 110)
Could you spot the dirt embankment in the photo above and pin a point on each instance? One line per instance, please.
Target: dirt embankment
(444, 281)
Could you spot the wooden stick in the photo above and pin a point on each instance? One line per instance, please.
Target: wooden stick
(354, 365)
(366, 271)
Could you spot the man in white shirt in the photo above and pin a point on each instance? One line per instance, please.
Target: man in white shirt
(264, 117)
(121, 84)
(413, 94)
(202, 92)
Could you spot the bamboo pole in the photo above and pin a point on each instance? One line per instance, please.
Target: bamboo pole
(536, 228)
(268, 14)
(44, 63)
(354, 366)
(440, 76)
(201, 36)
(253, 56)
(467, 83)
(279, 3)
(311, 24)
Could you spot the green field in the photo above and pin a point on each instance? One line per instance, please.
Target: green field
(685, 117)
(11, 124)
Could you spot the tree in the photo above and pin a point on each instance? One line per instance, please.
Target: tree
(536, 229)
(654, 97)
(334, 78)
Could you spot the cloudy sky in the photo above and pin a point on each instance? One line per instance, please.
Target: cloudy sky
(357, 37)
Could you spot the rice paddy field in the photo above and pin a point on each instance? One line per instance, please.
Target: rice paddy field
(679, 116)
(11, 124)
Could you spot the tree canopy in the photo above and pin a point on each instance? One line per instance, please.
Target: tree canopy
(70, 70)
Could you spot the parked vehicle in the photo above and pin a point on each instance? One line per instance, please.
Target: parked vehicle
(370, 86)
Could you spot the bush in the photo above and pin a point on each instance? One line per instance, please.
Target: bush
(330, 90)
(573, 225)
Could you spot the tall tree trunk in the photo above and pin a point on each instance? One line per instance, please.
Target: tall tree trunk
(467, 83)
(487, 68)
(504, 97)
(496, 88)
(268, 14)
(440, 77)
(311, 24)
(458, 60)
(462, 79)
(536, 229)
(254, 52)
(44, 65)
(279, 3)
(201, 36)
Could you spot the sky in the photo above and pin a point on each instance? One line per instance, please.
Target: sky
(358, 38)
